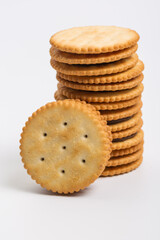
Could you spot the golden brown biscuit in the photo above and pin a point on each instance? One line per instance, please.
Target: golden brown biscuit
(111, 171)
(104, 105)
(129, 142)
(116, 161)
(126, 151)
(112, 115)
(73, 58)
(127, 132)
(59, 148)
(87, 96)
(110, 78)
(102, 87)
(94, 39)
(95, 69)
(125, 123)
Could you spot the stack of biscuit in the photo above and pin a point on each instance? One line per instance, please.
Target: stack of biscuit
(99, 65)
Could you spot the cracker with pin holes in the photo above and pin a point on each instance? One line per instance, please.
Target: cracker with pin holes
(73, 58)
(95, 69)
(109, 78)
(94, 39)
(65, 146)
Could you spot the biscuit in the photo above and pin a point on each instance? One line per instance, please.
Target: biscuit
(129, 142)
(130, 150)
(104, 105)
(112, 78)
(125, 123)
(116, 161)
(87, 96)
(59, 148)
(112, 115)
(94, 39)
(111, 171)
(58, 96)
(72, 58)
(102, 87)
(127, 132)
(95, 69)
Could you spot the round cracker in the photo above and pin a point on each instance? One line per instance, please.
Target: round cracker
(127, 123)
(129, 142)
(126, 151)
(102, 87)
(101, 96)
(95, 69)
(111, 115)
(127, 132)
(94, 39)
(71, 58)
(104, 105)
(112, 78)
(59, 148)
(116, 161)
(111, 171)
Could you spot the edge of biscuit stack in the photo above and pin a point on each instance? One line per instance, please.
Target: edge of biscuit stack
(100, 66)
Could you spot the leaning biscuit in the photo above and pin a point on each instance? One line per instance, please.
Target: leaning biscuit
(94, 39)
(111, 78)
(111, 171)
(71, 58)
(64, 146)
(102, 87)
(95, 69)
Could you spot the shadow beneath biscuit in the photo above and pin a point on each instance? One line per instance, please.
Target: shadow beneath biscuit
(76, 194)
(18, 180)
(18, 183)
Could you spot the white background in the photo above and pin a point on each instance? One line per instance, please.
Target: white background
(123, 207)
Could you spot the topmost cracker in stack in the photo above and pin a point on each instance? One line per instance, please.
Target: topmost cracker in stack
(99, 64)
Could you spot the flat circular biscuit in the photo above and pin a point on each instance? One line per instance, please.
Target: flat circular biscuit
(127, 132)
(116, 161)
(101, 96)
(95, 69)
(102, 87)
(94, 39)
(58, 96)
(111, 115)
(72, 58)
(129, 142)
(127, 123)
(126, 151)
(111, 171)
(111, 78)
(64, 146)
(106, 106)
